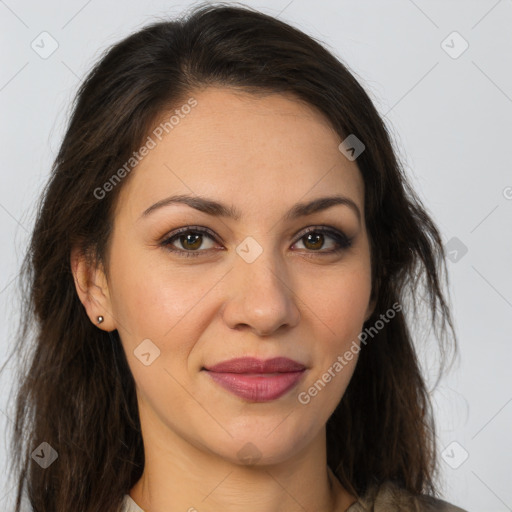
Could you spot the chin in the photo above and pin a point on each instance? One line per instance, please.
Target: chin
(264, 446)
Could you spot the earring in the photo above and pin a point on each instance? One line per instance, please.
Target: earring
(100, 319)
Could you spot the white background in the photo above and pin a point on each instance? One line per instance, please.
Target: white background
(451, 119)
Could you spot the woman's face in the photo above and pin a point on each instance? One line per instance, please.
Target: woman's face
(264, 276)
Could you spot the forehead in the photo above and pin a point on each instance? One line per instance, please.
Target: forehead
(255, 151)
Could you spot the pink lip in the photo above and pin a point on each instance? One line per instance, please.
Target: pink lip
(257, 380)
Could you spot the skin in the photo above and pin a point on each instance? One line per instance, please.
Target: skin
(262, 155)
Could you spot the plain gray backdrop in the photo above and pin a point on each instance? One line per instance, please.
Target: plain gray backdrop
(440, 74)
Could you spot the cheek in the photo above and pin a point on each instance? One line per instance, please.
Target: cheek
(339, 308)
(170, 306)
(150, 297)
(340, 303)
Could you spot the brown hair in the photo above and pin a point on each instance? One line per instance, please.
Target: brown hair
(77, 392)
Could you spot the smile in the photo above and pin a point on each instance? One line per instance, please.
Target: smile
(256, 380)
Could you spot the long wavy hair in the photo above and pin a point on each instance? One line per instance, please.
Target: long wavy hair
(76, 391)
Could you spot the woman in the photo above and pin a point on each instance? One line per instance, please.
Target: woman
(219, 274)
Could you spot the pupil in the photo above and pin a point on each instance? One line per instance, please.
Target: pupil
(319, 238)
(192, 245)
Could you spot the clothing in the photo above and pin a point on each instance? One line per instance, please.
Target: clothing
(129, 505)
(391, 498)
(384, 498)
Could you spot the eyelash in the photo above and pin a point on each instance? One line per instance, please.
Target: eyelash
(343, 241)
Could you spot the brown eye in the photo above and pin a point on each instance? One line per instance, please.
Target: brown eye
(188, 241)
(315, 239)
(192, 241)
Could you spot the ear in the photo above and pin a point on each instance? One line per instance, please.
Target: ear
(92, 288)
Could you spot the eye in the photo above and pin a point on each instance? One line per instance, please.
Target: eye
(191, 239)
(315, 238)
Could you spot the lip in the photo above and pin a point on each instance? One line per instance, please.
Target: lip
(255, 365)
(255, 379)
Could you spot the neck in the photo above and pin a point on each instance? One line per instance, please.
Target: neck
(180, 477)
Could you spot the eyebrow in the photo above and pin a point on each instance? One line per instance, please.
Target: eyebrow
(216, 209)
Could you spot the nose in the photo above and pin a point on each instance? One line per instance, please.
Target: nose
(261, 297)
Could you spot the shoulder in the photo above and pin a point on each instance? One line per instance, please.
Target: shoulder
(389, 497)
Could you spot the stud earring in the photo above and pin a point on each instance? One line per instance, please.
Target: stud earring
(100, 319)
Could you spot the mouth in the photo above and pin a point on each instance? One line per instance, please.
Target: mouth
(257, 380)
